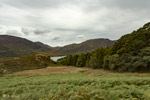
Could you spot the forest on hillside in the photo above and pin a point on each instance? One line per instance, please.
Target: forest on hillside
(130, 53)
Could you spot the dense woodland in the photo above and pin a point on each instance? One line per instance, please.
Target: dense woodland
(130, 53)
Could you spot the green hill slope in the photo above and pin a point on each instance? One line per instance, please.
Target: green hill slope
(130, 53)
(9, 65)
(133, 42)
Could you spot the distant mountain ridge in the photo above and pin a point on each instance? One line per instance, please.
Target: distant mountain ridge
(12, 46)
(84, 47)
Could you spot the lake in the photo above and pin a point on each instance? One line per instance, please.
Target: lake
(56, 58)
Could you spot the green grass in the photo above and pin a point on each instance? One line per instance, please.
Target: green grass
(77, 86)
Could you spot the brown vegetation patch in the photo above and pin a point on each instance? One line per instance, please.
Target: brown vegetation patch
(70, 69)
(51, 70)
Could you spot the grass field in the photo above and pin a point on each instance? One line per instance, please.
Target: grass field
(75, 86)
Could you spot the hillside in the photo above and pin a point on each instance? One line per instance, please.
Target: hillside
(84, 47)
(9, 65)
(11, 46)
(130, 53)
(133, 42)
(43, 46)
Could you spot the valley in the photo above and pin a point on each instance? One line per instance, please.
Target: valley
(74, 50)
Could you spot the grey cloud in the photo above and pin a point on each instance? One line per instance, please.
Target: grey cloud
(138, 4)
(13, 32)
(73, 18)
(68, 29)
(1, 5)
(41, 32)
(79, 30)
(56, 38)
(144, 4)
(36, 3)
(62, 29)
(95, 5)
(89, 4)
(27, 3)
(26, 31)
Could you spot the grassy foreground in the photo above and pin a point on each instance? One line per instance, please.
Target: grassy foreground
(75, 86)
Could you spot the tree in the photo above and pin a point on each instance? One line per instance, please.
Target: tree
(81, 60)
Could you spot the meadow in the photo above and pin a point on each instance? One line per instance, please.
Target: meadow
(74, 86)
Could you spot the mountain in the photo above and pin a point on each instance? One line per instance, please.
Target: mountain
(11, 46)
(84, 47)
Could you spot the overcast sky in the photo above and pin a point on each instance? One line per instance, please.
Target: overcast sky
(61, 22)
